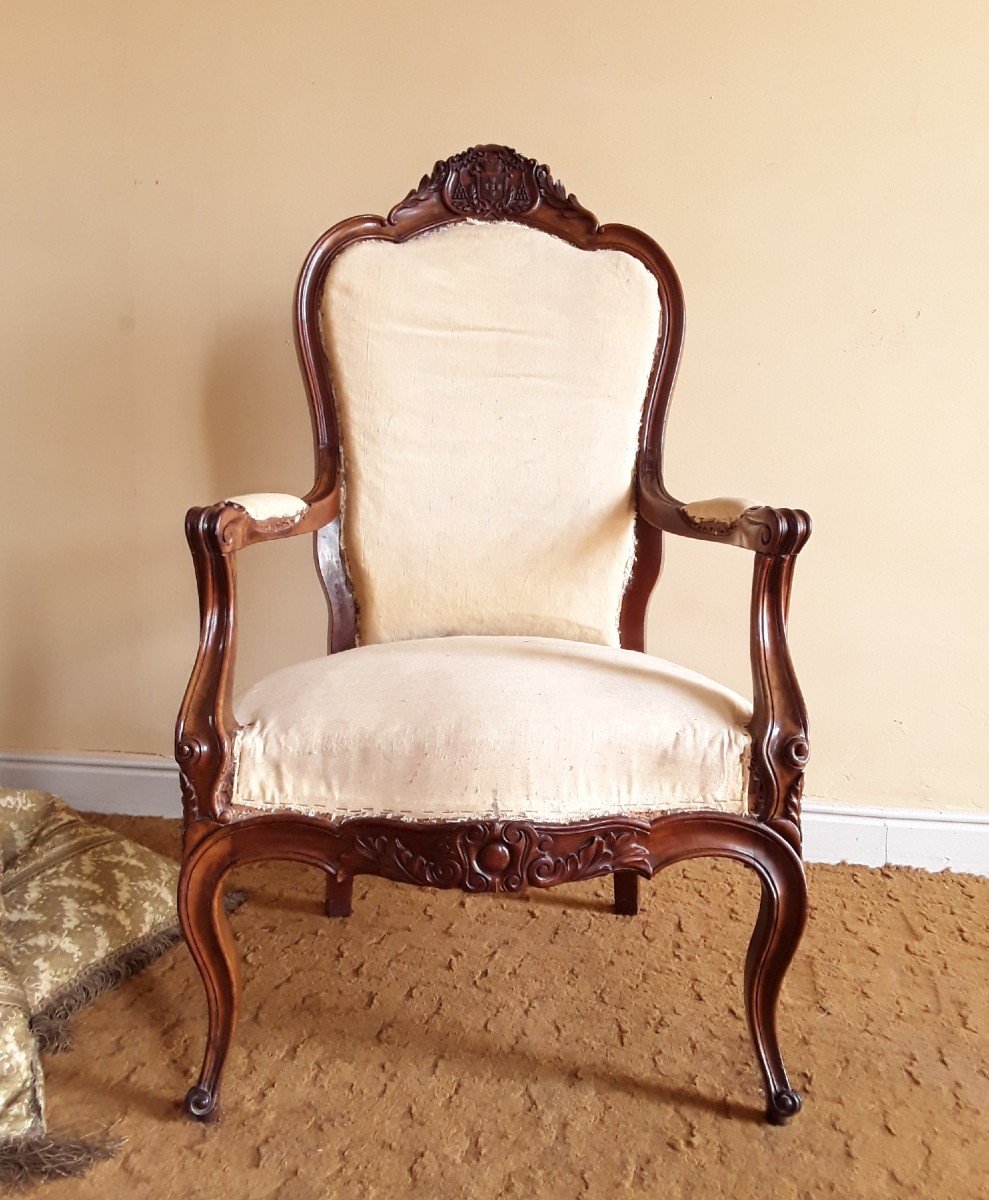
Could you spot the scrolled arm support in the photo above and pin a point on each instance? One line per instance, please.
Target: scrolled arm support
(206, 728)
(206, 725)
(244, 520)
(756, 527)
(780, 745)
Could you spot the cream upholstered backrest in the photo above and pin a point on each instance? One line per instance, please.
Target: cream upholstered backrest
(489, 381)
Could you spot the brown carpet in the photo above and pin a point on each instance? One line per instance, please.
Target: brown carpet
(440, 1045)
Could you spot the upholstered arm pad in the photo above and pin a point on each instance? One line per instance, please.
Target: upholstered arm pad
(206, 726)
(265, 506)
(727, 519)
(240, 521)
(719, 513)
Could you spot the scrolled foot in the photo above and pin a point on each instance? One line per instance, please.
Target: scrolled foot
(783, 1106)
(200, 1103)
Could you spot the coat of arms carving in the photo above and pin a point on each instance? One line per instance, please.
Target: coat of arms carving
(490, 181)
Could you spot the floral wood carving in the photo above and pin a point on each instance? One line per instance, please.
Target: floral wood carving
(190, 807)
(497, 856)
(489, 182)
(791, 806)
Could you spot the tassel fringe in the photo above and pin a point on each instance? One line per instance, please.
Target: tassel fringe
(34, 1157)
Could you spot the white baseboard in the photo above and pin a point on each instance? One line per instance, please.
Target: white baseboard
(140, 785)
(935, 840)
(147, 785)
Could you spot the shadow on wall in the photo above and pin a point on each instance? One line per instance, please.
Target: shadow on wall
(97, 599)
(79, 658)
(256, 417)
(26, 657)
(257, 438)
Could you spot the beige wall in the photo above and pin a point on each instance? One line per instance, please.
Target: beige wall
(817, 171)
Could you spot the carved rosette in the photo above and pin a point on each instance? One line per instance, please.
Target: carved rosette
(496, 856)
(488, 183)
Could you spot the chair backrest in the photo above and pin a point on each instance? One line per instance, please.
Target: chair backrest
(489, 368)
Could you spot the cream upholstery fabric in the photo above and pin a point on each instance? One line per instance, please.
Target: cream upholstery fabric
(489, 380)
(464, 727)
(721, 510)
(262, 506)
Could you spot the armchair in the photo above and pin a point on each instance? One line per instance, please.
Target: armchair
(488, 371)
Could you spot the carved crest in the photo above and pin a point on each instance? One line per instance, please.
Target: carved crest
(489, 182)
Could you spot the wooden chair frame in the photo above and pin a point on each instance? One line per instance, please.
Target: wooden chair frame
(492, 183)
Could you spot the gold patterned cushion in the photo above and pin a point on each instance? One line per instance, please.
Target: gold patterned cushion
(22, 1098)
(28, 1151)
(80, 909)
(82, 903)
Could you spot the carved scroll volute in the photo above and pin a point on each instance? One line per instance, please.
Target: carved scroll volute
(206, 726)
(780, 746)
(489, 183)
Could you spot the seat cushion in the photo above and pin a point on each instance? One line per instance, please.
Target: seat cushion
(458, 728)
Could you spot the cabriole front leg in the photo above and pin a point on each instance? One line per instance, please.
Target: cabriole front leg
(781, 920)
(780, 924)
(210, 940)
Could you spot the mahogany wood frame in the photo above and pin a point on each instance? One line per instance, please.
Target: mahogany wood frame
(492, 183)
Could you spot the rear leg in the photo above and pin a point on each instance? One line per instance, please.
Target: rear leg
(626, 893)
(339, 896)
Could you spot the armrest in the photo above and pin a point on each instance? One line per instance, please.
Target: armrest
(780, 747)
(727, 519)
(206, 728)
(241, 521)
